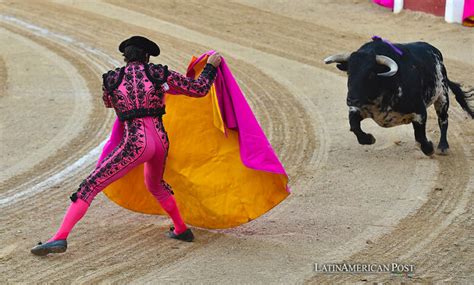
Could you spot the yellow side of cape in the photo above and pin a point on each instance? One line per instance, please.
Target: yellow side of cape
(212, 187)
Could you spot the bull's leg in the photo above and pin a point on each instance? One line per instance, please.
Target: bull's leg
(419, 125)
(442, 106)
(354, 120)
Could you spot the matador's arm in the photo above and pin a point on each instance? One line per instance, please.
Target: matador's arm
(193, 87)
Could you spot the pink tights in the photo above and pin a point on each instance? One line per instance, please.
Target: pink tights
(144, 141)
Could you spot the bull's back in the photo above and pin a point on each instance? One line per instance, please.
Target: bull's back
(430, 70)
(422, 51)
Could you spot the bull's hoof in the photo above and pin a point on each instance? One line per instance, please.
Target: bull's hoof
(368, 139)
(442, 151)
(427, 148)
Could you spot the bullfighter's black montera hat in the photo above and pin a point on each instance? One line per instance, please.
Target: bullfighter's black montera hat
(147, 45)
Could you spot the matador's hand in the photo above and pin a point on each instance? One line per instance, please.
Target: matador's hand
(214, 59)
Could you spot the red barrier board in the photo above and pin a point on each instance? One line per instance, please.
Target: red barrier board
(436, 7)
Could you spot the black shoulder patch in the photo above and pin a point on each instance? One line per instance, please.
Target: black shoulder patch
(113, 78)
(157, 73)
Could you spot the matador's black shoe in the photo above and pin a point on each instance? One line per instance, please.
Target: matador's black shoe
(56, 246)
(187, 235)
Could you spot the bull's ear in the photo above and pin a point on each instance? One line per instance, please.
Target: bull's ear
(342, 66)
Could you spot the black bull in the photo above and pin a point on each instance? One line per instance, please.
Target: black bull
(395, 87)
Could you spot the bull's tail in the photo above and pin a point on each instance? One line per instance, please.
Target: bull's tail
(464, 98)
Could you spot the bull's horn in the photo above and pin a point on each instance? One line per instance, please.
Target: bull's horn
(390, 63)
(339, 58)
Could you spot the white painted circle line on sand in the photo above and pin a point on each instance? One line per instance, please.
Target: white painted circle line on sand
(15, 195)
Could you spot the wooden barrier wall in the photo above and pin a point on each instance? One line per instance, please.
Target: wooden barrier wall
(436, 7)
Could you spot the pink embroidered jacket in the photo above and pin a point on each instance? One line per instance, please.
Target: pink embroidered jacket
(136, 90)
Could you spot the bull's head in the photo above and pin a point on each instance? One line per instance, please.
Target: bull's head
(365, 71)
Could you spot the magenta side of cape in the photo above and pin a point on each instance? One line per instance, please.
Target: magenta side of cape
(114, 140)
(256, 151)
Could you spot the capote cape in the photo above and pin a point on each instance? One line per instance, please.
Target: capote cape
(220, 165)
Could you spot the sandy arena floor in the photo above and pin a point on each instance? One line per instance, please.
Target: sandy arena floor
(377, 204)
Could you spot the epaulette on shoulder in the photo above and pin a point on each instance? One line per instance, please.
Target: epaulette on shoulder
(157, 73)
(113, 78)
